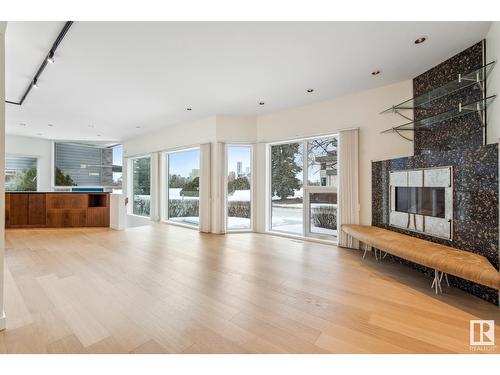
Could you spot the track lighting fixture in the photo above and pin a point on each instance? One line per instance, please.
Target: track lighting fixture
(50, 58)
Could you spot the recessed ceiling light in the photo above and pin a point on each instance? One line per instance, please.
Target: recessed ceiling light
(376, 72)
(189, 109)
(22, 124)
(420, 40)
(310, 90)
(98, 135)
(261, 103)
(137, 127)
(50, 125)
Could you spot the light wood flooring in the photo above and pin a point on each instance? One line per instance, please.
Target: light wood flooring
(166, 289)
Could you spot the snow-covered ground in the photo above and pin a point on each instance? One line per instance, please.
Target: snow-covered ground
(285, 217)
(289, 218)
(190, 220)
(175, 193)
(238, 223)
(239, 195)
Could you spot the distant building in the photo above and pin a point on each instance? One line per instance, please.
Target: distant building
(328, 169)
(232, 176)
(239, 168)
(195, 172)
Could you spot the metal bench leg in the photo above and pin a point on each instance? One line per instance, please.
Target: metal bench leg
(436, 284)
(445, 277)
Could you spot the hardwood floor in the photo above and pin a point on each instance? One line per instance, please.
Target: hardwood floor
(166, 289)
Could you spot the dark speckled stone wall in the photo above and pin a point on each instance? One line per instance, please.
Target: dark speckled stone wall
(459, 143)
(465, 131)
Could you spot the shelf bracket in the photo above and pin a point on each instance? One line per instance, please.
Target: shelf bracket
(402, 115)
(480, 113)
(401, 135)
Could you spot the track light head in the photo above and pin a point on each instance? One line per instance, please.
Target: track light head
(50, 58)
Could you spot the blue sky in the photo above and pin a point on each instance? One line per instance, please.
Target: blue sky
(236, 154)
(184, 162)
(117, 155)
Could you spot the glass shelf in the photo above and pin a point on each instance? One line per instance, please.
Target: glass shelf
(461, 110)
(462, 81)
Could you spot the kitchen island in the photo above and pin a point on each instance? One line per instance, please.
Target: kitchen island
(56, 209)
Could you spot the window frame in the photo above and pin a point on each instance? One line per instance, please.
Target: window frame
(226, 195)
(130, 184)
(164, 183)
(38, 164)
(306, 190)
(68, 188)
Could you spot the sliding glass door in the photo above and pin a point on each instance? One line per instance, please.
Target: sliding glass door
(239, 188)
(183, 187)
(287, 204)
(310, 208)
(322, 182)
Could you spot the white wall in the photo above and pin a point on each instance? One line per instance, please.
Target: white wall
(360, 110)
(2, 172)
(35, 147)
(493, 82)
(177, 136)
(236, 129)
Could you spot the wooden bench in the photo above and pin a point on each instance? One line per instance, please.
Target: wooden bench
(441, 258)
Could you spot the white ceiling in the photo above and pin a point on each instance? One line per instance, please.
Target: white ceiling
(110, 77)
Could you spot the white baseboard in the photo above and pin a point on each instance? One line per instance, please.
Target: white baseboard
(2, 321)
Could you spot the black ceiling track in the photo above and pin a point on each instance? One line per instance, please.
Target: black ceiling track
(50, 55)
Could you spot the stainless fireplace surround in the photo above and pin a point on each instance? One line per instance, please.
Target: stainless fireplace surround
(436, 222)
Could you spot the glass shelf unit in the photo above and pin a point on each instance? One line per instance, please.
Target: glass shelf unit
(461, 110)
(477, 76)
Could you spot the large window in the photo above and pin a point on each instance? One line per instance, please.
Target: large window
(286, 187)
(239, 181)
(20, 173)
(78, 164)
(310, 208)
(141, 186)
(183, 186)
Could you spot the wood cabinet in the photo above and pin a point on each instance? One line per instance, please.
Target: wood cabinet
(18, 210)
(56, 210)
(36, 210)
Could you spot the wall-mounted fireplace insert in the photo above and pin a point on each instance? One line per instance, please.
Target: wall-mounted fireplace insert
(421, 200)
(427, 201)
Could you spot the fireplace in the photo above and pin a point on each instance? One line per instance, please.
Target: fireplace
(421, 201)
(426, 201)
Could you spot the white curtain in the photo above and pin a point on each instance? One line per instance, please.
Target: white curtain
(155, 189)
(219, 191)
(205, 187)
(348, 184)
